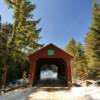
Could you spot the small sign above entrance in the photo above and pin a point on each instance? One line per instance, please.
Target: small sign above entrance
(51, 52)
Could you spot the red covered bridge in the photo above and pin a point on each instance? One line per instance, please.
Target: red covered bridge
(51, 56)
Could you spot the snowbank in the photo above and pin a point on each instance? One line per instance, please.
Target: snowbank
(18, 94)
(76, 93)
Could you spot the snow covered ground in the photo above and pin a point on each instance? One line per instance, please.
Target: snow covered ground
(76, 93)
(18, 94)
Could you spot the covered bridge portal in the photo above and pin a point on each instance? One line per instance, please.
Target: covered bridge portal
(52, 58)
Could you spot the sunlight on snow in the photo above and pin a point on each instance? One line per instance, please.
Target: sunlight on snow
(76, 93)
(48, 74)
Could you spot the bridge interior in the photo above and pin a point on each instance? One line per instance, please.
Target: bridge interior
(56, 70)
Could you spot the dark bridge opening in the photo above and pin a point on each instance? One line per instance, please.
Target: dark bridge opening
(50, 72)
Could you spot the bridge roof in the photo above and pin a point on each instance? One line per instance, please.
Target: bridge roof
(50, 51)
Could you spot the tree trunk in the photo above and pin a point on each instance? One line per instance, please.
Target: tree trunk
(4, 76)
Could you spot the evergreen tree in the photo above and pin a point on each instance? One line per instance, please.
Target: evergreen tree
(0, 21)
(0, 61)
(25, 32)
(18, 39)
(71, 49)
(5, 35)
(81, 64)
(93, 44)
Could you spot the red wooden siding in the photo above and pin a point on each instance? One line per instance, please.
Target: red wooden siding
(43, 53)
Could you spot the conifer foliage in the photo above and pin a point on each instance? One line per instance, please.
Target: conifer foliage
(71, 49)
(19, 38)
(25, 32)
(79, 64)
(93, 44)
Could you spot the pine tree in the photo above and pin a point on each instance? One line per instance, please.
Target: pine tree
(81, 64)
(0, 61)
(71, 49)
(5, 35)
(19, 38)
(93, 44)
(25, 32)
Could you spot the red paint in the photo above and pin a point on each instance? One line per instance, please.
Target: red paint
(43, 53)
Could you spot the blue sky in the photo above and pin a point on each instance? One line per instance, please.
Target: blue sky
(60, 19)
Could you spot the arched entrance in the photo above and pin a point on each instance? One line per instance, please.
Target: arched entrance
(50, 72)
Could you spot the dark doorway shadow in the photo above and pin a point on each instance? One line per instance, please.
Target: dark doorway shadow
(50, 72)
